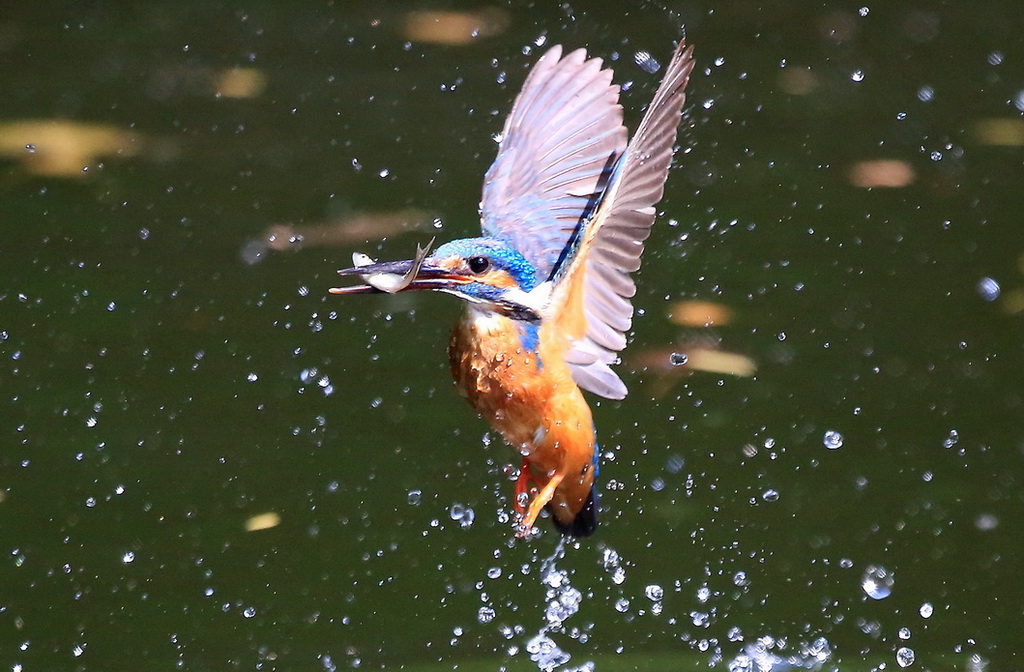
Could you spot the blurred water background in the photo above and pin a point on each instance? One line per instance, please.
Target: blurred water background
(208, 463)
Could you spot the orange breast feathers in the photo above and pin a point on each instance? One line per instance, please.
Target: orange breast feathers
(515, 376)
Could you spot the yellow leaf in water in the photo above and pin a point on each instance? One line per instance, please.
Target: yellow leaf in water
(700, 314)
(890, 173)
(59, 148)
(798, 81)
(1013, 302)
(241, 83)
(452, 27)
(716, 361)
(355, 228)
(263, 521)
(1000, 132)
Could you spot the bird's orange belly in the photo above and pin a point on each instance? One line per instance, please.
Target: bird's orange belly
(503, 384)
(532, 401)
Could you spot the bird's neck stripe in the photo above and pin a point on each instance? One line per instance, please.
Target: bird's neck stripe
(529, 339)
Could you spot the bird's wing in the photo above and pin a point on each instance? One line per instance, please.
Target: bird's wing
(592, 286)
(555, 155)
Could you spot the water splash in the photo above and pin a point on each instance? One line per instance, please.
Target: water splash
(767, 653)
(612, 564)
(562, 602)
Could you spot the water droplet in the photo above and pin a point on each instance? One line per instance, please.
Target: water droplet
(485, 615)
(621, 605)
(904, 633)
(818, 651)
(545, 653)
(905, 656)
(249, 612)
(770, 495)
(252, 377)
(494, 573)
(414, 497)
(463, 515)
(926, 610)
(926, 94)
(877, 582)
(384, 172)
(988, 289)
(995, 58)
(144, 233)
(677, 359)
(857, 76)
(128, 558)
(675, 464)
(986, 522)
(833, 440)
(654, 592)
(952, 439)
(647, 63)
(612, 564)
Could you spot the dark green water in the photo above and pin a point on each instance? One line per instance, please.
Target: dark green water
(161, 383)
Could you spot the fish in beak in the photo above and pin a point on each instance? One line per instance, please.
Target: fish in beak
(392, 277)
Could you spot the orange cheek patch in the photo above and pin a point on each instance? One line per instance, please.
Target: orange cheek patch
(500, 279)
(450, 263)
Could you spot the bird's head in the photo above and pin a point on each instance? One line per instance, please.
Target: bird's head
(486, 272)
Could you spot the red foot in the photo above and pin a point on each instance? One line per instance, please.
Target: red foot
(522, 488)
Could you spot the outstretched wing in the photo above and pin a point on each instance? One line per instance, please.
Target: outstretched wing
(593, 288)
(559, 142)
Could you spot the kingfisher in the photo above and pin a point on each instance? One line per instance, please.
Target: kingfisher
(566, 208)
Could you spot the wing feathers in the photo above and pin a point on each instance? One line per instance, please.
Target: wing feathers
(613, 240)
(553, 156)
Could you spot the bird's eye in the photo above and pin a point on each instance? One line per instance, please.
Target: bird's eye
(479, 264)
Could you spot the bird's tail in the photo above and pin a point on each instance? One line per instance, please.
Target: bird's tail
(585, 522)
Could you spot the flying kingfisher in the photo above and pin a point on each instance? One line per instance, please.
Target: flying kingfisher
(566, 208)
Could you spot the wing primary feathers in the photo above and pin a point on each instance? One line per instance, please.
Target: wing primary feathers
(592, 279)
